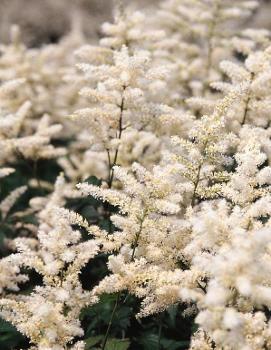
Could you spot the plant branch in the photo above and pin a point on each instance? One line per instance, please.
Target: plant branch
(120, 130)
(135, 244)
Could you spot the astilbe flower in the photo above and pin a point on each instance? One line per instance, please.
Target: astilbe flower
(192, 222)
(250, 40)
(200, 160)
(117, 71)
(247, 183)
(35, 96)
(10, 276)
(34, 146)
(119, 101)
(200, 163)
(41, 72)
(198, 36)
(21, 136)
(83, 162)
(200, 176)
(42, 206)
(7, 203)
(130, 29)
(147, 230)
(253, 107)
(12, 221)
(49, 316)
(238, 293)
(234, 253)
(201, 341)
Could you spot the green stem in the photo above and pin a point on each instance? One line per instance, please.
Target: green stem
(36, 176)
(160, 331)
(246, 111)
(109, 165)
(112, 164)
(120, 130)
(196, 186)
(247, 103)
(135, 244)
(110, 322)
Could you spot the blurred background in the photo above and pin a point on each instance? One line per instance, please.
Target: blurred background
(45, 21)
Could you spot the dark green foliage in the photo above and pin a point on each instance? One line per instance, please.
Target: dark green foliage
(175, 330)
(10, 338)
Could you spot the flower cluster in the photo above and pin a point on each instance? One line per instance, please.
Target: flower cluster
(157, 143)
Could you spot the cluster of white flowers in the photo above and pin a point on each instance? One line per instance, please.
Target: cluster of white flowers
(171, 111)
(58, 254)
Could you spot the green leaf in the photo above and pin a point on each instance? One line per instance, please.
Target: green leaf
(90, 213)
(122, 318)
(105, 224)
(112, 343)
(172, 313)
(174, 344)
(117, 344)
(9, 336)
(194, 328)
(93, 180)
(6, 327)
(100, 313)
(149, 341)
(2, 237)
(91, 341)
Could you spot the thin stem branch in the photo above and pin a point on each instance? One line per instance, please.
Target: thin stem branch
(196, 184)
(36, 175)
(109, 164)
(110, 322)
(135, 244)
(120, 130)
(246, 111)
(247, 103)
(160, 331)
(211, 34)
